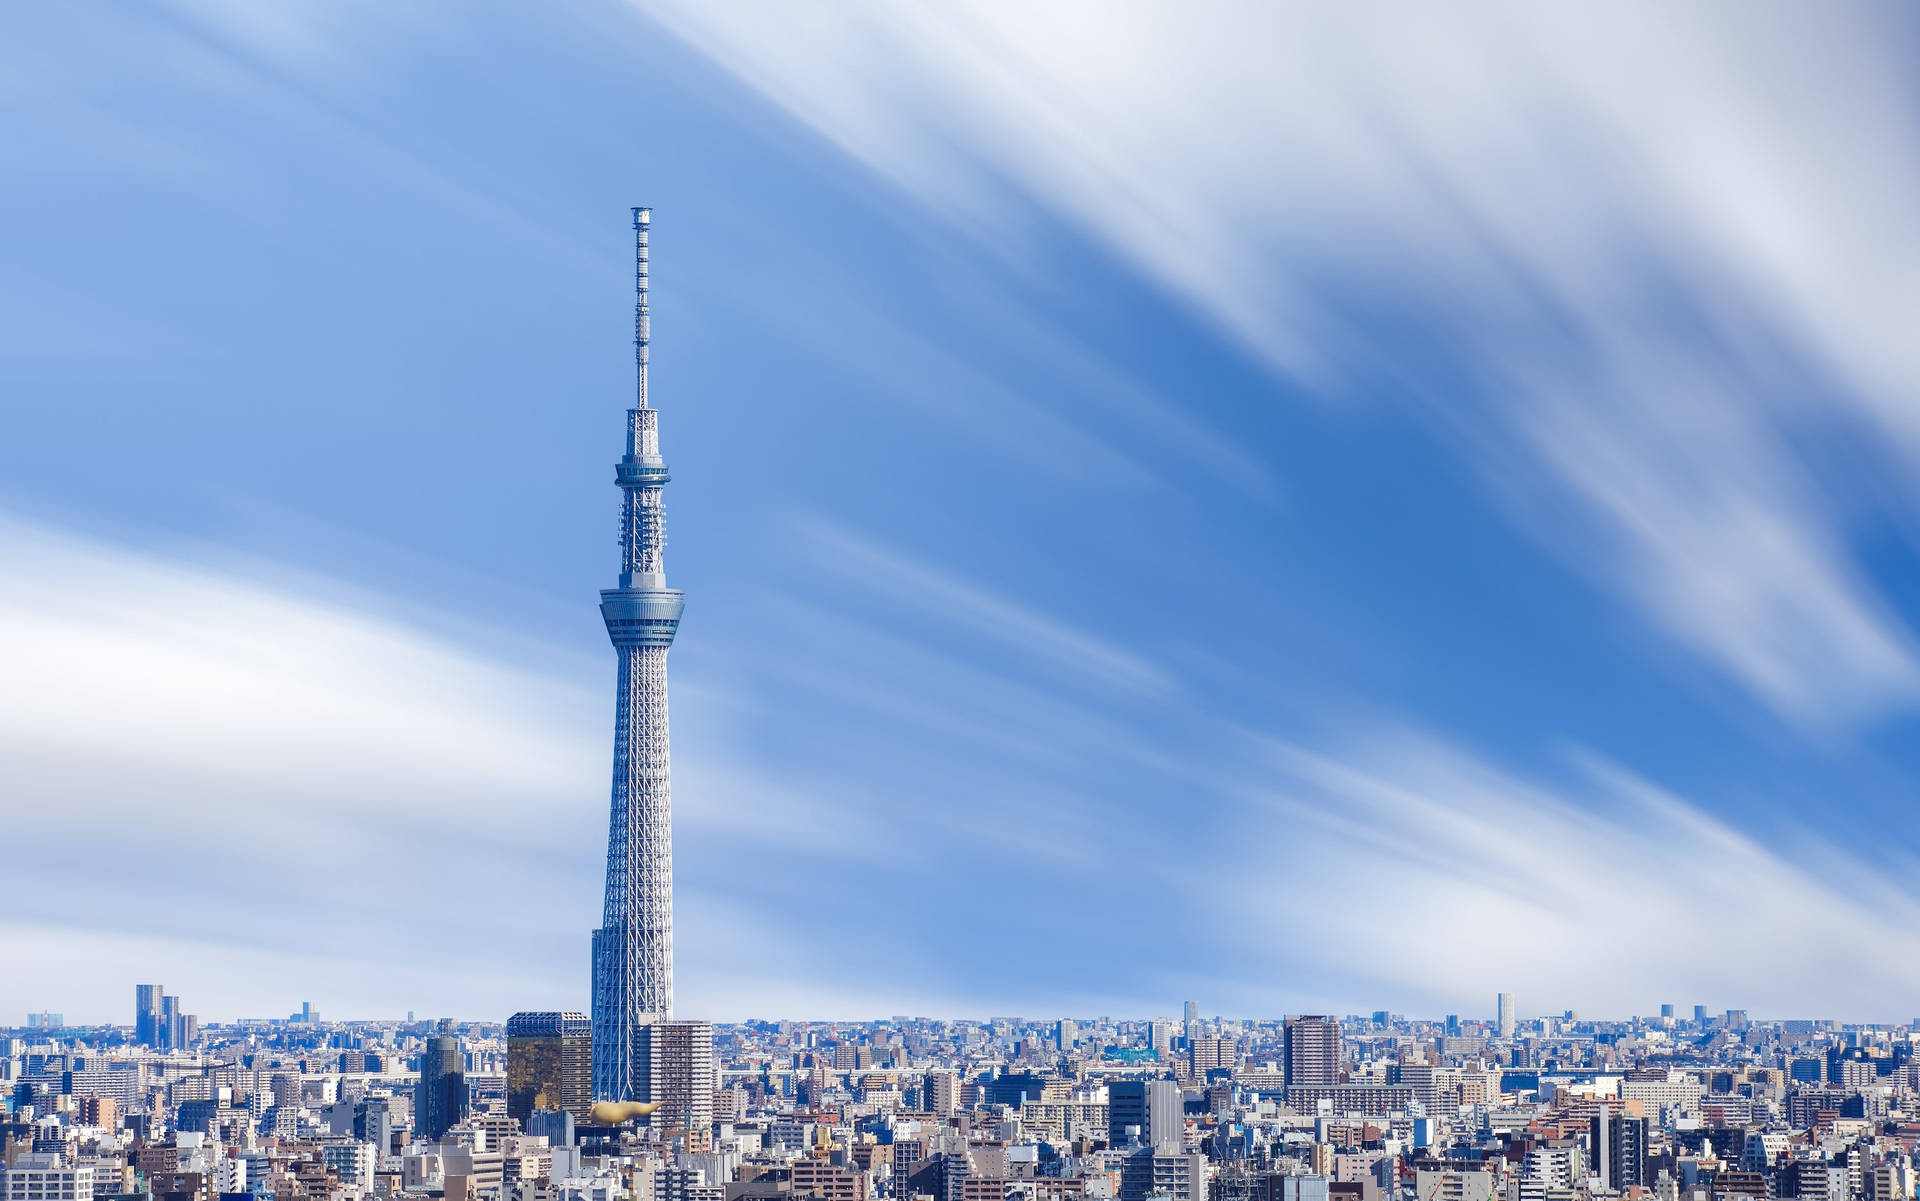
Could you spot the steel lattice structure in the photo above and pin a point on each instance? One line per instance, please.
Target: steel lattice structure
(633, 949)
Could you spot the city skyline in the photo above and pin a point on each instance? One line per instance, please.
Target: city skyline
(1181, 1025)
(1396, 517)
(1677, 1107)
(1178, 1020)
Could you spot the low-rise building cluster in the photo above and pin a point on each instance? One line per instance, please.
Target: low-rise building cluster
(1306, 1108)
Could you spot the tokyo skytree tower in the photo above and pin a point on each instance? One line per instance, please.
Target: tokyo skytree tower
(633, 949)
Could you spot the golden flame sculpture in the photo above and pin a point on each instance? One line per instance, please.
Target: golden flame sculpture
(612, 1113)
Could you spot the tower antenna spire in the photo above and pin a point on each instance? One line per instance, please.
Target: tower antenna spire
(642, 219)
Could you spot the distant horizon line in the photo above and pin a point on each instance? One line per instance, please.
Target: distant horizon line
(1565, 1016)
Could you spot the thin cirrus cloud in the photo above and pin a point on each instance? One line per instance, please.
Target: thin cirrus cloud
(1599, 890)
(1604, 224)
(916, 587)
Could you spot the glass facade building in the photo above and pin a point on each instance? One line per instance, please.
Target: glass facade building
(549, 1064)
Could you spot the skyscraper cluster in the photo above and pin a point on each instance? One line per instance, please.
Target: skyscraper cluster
(158, 1020)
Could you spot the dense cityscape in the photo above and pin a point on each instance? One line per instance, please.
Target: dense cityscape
(1309, 1108)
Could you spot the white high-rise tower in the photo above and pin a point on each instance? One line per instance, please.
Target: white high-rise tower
(633, 949)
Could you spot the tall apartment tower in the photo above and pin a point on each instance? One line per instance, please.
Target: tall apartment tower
(1311, 1044)
(440, 1095)
(1505, 1015)
(1617, 1148)
(633, 948)
(943, 1092)
(677, 1070)
(549, 1065)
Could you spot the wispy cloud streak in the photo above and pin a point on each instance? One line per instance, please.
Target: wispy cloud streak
(919, 587)
(1543, 197)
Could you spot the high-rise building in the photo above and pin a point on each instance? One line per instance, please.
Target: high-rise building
(677, 1062)
(440, 1095)
(171, 1032)
(1150, 1110)
(1205, 1054)
(1193, 1019)
(1066, 1034)
(633, 949)
(146, 1014)
(1617, 1147)
(943, 1092)
(1699, 1015)
(1311, 1046)
(1666, 1011)
(1505, 1014)
(549, 1064)
(1160, 1038)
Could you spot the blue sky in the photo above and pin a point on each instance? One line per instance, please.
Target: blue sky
(1298, 511)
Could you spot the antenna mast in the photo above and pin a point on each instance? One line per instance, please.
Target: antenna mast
(642, 218)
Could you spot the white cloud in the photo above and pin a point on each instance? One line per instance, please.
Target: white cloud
(1605, 894)
(1584, 213)
(259, 794)
(189, 758)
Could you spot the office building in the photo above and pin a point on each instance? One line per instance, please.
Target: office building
(440, 1095)
(1311, 1046)
(1505, 1015)
(1147, 1112)
(633, 948)
(549, 1064)
(146, 1014)
(1160, 1038)
(554, 1125)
